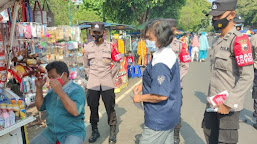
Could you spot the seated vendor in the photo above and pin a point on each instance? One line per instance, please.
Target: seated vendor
(64, 105)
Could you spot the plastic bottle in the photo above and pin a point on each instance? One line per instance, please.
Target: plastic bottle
(12, 117)
(1, 122)
(16, 110)
(6, 118)
(22, 109)
(13, 101)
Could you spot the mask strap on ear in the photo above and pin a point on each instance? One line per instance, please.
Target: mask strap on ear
(228, 15)
(61, 75)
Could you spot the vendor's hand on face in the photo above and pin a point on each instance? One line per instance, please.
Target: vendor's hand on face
(40, 82)
(55, 85)
(57, 80)
(137, 98)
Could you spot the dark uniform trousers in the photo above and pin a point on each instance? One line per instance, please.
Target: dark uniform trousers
(178, 126)
(254, 94)
(221, 129)
(108, 98)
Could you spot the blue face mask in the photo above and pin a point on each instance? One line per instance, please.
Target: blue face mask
(151, 43)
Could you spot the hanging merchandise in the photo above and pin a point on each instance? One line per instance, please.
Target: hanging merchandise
(121, 46)
(50, 15)
(141, 51)
(39, 15)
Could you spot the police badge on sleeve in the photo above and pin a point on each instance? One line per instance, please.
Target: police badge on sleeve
(243, 51)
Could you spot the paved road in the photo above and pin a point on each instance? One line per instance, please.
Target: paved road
(130, 119)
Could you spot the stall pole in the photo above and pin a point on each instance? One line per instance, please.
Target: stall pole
(110, 34)
(16, 9)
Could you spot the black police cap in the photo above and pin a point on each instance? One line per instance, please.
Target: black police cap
(238, 19)
(97, 26)
(221, 6)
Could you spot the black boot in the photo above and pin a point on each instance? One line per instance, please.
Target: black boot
(112, 139)
(176, 136)
(95, 134)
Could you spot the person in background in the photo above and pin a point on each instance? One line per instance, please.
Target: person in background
(195, 49)
(191, 37)
(161, 87)
(97, 64)
(204, 45)
(184, 38)
(130, 58)
(238, 22)
(227, 74)
(64, 104)
(135, 46)
(176, 46)
(254, 92)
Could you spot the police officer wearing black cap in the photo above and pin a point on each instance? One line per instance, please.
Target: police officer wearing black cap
(97, 64)
(238, 21)
(227, 74)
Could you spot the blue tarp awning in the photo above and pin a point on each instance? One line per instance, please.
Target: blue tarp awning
(112, 26)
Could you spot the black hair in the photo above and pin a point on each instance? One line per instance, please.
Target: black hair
(161, 30)
(129, 52)
(59, 66)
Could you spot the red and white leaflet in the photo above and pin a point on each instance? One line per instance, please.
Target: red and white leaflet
(218, 99)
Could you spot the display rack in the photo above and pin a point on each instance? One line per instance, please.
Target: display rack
(18, 124)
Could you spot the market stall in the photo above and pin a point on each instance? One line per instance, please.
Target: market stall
(22, 50)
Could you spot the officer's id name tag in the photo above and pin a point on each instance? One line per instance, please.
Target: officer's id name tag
(243, 51)
(224, 48)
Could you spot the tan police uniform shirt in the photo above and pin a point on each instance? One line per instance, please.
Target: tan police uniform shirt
(254, 49)
(176, 46)
(97, 64)
(225, 73)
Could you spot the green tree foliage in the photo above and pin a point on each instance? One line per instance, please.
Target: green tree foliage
(248, 10)
(61, 12)
(135, 11)
(193, 15)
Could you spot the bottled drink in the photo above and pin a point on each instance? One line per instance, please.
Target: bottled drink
(6, 118)
(22, 109)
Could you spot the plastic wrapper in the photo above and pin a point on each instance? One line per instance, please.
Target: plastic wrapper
(2, 63)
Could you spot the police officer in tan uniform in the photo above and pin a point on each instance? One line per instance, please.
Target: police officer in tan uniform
(176, 46)
(238, 21)
(254, 92)
(97, 64)
(222, 127)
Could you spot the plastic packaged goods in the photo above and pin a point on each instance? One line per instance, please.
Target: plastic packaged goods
(2, 121)
(6, 117)
(12, 117)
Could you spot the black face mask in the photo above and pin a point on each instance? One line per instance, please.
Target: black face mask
(221, 23)
(98, 38)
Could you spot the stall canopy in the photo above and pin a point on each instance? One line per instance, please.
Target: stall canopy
(112, 26)
(4, 4)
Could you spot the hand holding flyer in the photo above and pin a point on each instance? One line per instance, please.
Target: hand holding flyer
(218, 99)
